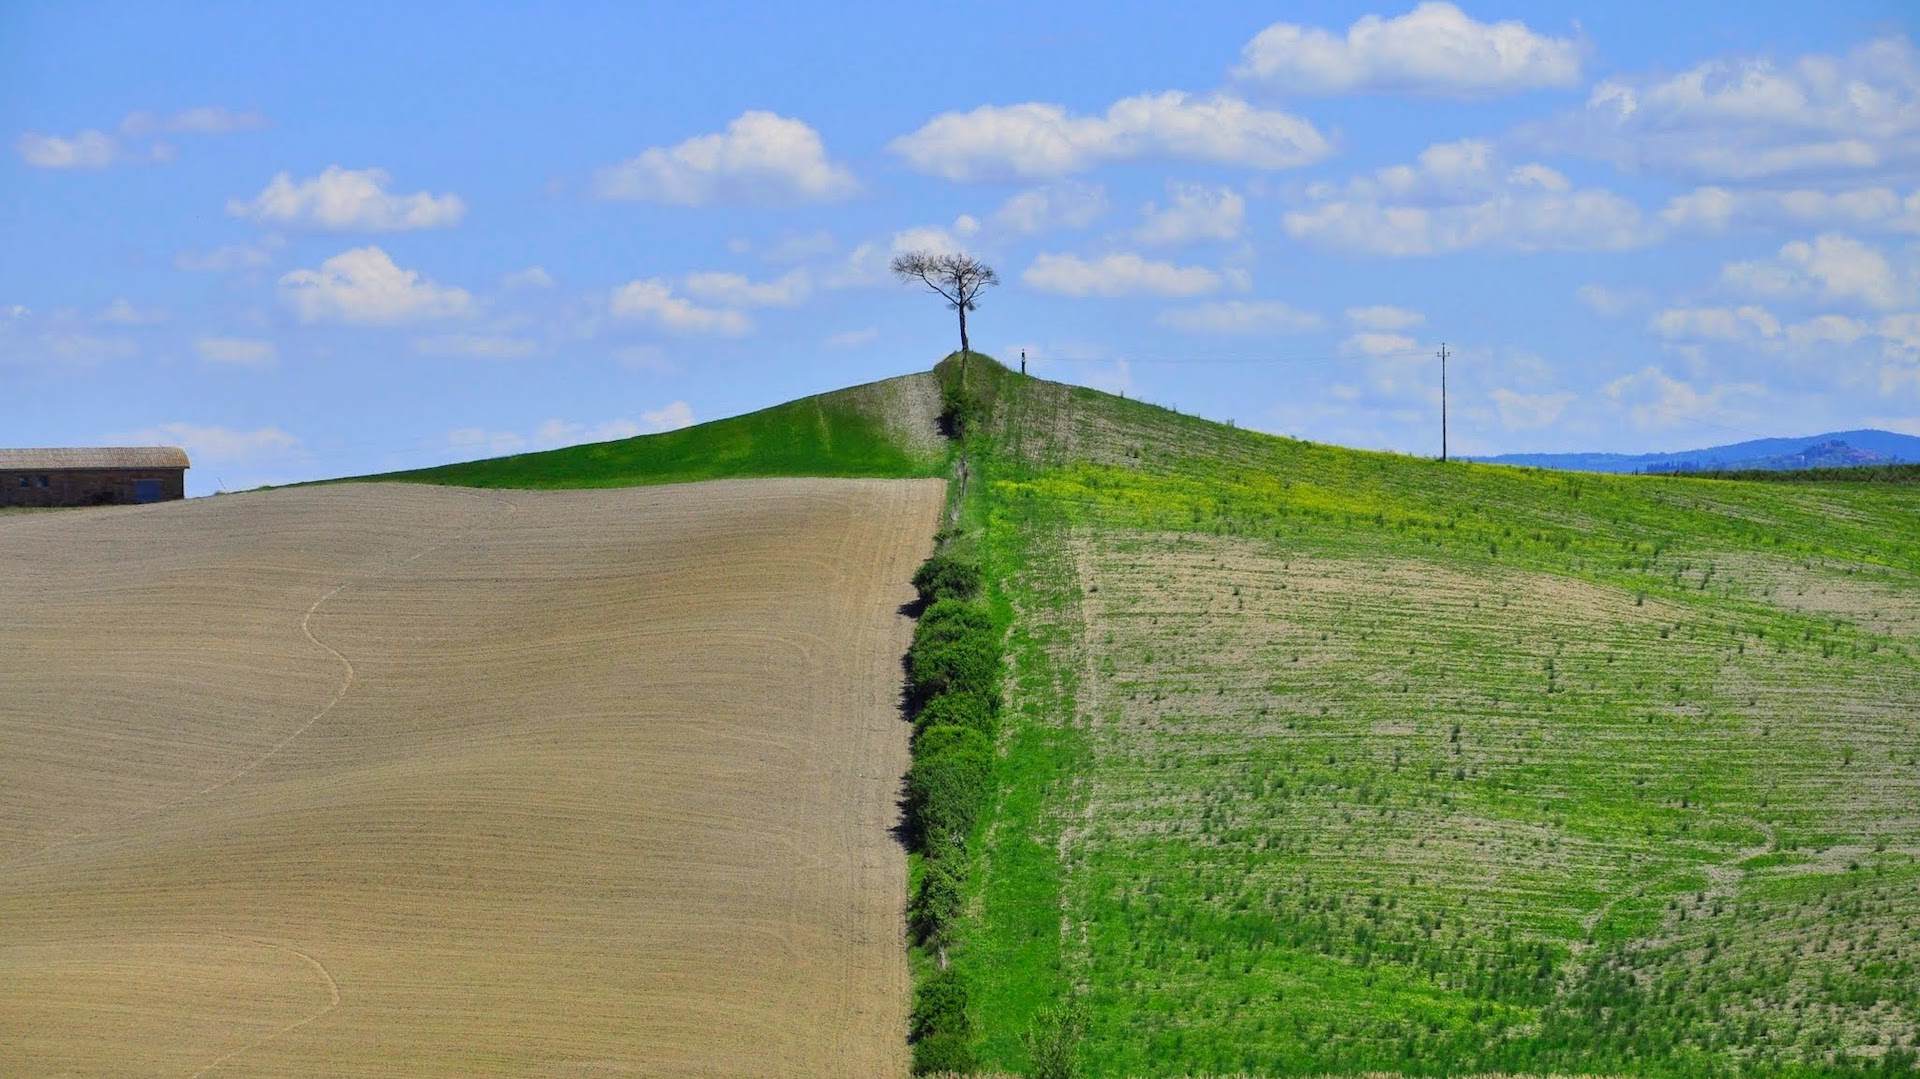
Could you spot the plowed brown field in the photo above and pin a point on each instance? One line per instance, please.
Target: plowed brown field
(377, 780)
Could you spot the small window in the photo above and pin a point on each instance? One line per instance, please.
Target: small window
(43, 481)
(26, 481)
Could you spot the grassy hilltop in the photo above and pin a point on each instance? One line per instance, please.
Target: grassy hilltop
(1320, 760)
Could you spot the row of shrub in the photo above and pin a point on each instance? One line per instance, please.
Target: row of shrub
(953, 692)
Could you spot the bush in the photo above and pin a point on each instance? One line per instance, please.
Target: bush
(945, 577)
(943, 1052)
(940, 1006)
(970, 664)
(959, 411)
(950, 620)
(969, 710)
(948, 783)
(936, 902)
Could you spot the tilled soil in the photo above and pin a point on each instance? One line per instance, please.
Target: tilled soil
(384, 780)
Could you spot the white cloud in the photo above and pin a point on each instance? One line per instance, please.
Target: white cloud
(86, 150)
(1748, 323)
(1525, 411)
(734, 290)
(206, 120)
(1747, 118)
(348, 200)
(1717, 209)
(854, 338)
(652, 301)
(1037, 140)
(1374, 343)
(364, 286)
(1383, 317)
(1067, 204)
(1831, 267)
(533, 277)
(1120, 274)
(1459, 196)
(1193, 212)
(213, 444)
(228, 258)
(1240, 316)
(760, 158)
(1610, 301)
(668, 418)
(1654, 399)
(1433, 49)
(556, 433)
(1826, 330)
(122, 313)
(86, 349)
(237, 351)
(479, 346)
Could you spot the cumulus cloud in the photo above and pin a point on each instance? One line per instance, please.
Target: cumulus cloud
(228, 258)
(479, 346)
(533, 277)
(1064, 205)
(1459, 196)
(214, 444)
(348, 200)
(364, 286)
(1383, 317)
(1830, 267)
(1717, 209)
(555, 433)
(1654, 399)
(237, 352)
(1746, 323)
(1525, 411)
(761, 157)
(1193, 212)
(1750, 118)
(1039, 140)
(122, 312)
(1434, 49)
(652, 301)
(1608, 300)
(95, 149)
(206, 120)
(735, 290)
(1240, 316)
(86, 150)
(1120, 274)
(1375, 343)
(669, 418)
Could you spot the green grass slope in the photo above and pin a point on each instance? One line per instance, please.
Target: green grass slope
(881, 429)
(1322, 761)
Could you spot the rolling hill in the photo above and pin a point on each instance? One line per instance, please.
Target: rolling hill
(1321, 761)
(1831, 450)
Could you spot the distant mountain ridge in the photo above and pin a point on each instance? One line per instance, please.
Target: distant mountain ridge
(1835, 449)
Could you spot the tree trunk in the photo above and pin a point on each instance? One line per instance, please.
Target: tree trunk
(964, 350)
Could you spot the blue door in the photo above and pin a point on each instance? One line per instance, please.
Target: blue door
(145, 491)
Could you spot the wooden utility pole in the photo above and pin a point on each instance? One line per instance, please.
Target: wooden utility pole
(1443, 400)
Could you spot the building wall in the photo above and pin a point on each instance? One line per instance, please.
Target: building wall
(86, 486)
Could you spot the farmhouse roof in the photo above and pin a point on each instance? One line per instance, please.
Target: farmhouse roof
(95, 457)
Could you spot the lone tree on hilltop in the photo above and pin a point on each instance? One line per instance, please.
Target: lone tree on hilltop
(958, 278)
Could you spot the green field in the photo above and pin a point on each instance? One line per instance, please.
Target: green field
(1319, 761)
(1324, 760)
(882, 429)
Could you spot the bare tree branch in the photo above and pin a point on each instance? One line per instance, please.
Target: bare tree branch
(956, 278)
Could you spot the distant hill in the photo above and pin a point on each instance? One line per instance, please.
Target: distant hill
(1836, 449)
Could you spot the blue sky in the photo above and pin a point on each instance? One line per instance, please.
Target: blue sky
(316, 240)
